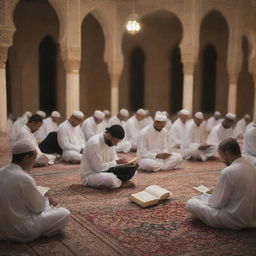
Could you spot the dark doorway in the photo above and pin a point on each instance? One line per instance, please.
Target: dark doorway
(137, 60)
(47, 74)
(176, 80)
(208, 79)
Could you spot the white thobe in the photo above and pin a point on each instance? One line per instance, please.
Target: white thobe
(25, 133)
(133, 127)
(249, 145)
(176, 133)
(249, 126)
(151, 143)
(168, 125)
(240, 127)
(71, 140)
(25, 213)
(124, 145)
(98, 157)
(90, 128)
(212, 122)
(17, 125)
(193, 139)
(146, 121)
(233, 200)
(219, 133)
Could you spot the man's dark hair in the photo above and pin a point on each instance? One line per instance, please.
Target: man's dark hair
(116, 131)
(230, 145)
(16, 158)
(35, 118)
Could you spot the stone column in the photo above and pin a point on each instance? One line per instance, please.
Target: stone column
(232, 94)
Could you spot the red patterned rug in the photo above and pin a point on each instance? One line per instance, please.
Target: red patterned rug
(105, 222)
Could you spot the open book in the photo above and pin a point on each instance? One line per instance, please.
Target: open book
(203, 189)
(42, 190)
(151, 195)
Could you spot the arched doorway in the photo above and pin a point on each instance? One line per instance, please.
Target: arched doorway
(94, 77)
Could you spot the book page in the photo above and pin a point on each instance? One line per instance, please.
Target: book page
(158, 192)
(133, 160)
(42, 190)
(143, 199)
(201, 188)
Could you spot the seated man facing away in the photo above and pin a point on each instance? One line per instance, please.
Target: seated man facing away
(152, 152)
(193, 146)
(99, 165)
(249, 145)
(232, 203)
(25, 213)
(71, 138)
(240, 126)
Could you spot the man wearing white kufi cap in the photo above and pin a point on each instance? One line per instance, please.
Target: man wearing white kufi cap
(178, 129)
(240, 126)
(124, 145)
(25, 213)
(152, 152)
(71, 138)
(148, 120)
(27, 132)
(133, 127)
(213, 121)
(222, 131)
(94, 124)
(193, 145)
(39, 134)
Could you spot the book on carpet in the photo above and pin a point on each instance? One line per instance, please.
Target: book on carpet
(151, 195)
(202, 189)
(42, 190)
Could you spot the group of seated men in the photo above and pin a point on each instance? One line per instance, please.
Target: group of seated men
(93, 143)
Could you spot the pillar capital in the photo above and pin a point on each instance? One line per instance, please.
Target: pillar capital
(188, 67)
(71, 57)
(72, 65)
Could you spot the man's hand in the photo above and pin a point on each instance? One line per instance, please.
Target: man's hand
(163, 155)
(121, 161)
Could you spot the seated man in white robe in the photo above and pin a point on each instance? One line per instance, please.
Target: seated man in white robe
(133, 127)
(232, 203)
(27, 132)
(193, 146)
(222, 131)
(94, 124)
(152, 152)
(71, 138)
(124, 145)
(100, 166)
(107, 118)
(148, 120)
(240, 126)
(39, 134)
(213, 121)
(249, 145)
(178, 129)
(168, 121)
(25, 213)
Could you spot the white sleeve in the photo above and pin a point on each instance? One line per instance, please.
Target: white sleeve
(142, 150)
(63, 140)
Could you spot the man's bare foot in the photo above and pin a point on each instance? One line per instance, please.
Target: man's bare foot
(127, 184)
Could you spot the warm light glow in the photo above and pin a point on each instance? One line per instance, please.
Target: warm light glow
(133, 26)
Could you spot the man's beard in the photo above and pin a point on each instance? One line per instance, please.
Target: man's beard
(109, 143)
(157, 129)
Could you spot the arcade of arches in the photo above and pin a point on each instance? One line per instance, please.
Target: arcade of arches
(68, 55)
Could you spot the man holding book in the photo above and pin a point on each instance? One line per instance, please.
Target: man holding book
(100, 166)
(152, 152)
(232, 203)
(25, 213)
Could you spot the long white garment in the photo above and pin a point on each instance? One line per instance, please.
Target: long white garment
(193, 139)
(176, 133)
(90, 128)
(249, 145)
(98, 157)
(25, 133)
(17, 125)
(233, 201)
(25, 213)
(151, 143)
(146, 121)
(219, 133)
(133, 127)
(124, 145)
(71, 140)
(240, 127)
(168, 125)
(212, 122)
(249, 126)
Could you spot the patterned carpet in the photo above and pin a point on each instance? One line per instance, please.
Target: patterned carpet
(105, 222)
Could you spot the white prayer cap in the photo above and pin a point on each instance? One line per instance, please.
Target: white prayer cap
(23, 146)
(78, 114)
(160, 117)
(141, 111)
(55, 114)
(199, 115)
(124, 112)
(230, 116)
(28, 113)
(41, 113)
(217, 113)
(184, 112)
(158, 112)
(247, 116)
(106, 112)
(99, 115)
(165, 113)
